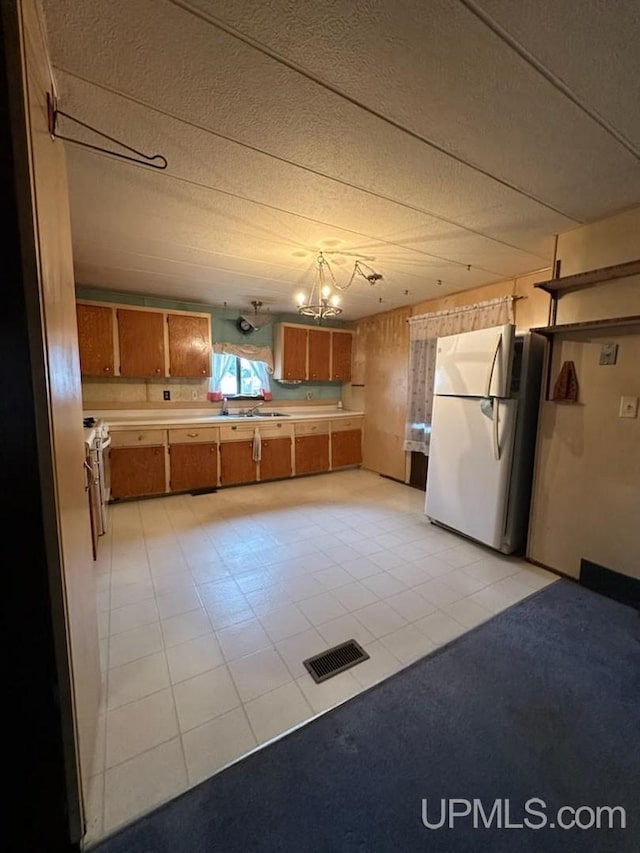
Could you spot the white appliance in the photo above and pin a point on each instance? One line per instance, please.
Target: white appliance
(483, 427)
(98, 441)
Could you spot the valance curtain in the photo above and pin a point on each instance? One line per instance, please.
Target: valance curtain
(424, 330)
(261, 363)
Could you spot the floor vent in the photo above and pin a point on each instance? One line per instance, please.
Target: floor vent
(207, 490)
(335, 660)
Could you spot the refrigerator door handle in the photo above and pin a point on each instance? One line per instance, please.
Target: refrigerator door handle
(493, 365)
(496, 434)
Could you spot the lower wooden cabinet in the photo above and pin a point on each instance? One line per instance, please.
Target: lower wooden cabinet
(193, 466)
(346, 448)
(137, 471)
(236, 462)
(276, 458)
(312, 453)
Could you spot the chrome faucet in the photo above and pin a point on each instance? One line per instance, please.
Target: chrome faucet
(254, 409)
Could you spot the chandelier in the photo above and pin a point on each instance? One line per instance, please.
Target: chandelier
(322, 302)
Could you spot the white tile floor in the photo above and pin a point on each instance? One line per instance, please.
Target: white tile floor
(209, 604)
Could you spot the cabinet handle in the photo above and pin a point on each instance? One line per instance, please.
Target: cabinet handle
(158, 370)
(234, 427)
(193, 434)
(203, 371)
(107, 370)
(212, 449)
(279, 426)
(140, 437)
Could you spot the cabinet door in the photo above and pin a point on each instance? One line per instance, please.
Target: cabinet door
(294, 352)
(276, 458)
(236, 462)
(193, 466)
(189, 345)
(346, 448)
(137, 471)
(312, 454)
(141, 336)
(95, 340)
(319, 354)
(341, 356)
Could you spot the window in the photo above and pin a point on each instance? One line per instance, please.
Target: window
(241, 378)
(236, 376)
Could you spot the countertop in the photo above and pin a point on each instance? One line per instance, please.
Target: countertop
(118, 419)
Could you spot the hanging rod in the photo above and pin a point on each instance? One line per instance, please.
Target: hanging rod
(141, 158)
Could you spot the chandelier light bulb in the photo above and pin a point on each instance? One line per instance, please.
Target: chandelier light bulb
(335, 300)
(326, 291)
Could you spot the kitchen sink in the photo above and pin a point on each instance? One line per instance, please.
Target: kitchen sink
(270, 415)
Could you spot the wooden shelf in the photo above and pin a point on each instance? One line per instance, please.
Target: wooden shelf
(608, 323)
(568, 283)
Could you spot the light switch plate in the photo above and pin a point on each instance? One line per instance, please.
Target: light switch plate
(628, 407)
(608, 353)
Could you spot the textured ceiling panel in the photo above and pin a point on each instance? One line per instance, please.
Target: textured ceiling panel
(590, 51)
(415, 135)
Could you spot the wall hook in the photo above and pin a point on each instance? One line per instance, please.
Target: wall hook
(143, 159)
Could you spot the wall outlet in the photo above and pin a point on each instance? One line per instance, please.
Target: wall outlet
(628, 407)
(194, 395)
(308, 395)
(166, 395)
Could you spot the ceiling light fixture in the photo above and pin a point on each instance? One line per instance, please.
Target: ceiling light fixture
(320, 303)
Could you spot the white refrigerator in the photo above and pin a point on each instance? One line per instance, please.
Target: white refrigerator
(483, 426)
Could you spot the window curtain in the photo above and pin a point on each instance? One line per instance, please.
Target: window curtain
(424, 330)
(261, 359)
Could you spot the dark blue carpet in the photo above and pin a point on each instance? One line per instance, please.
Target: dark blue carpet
(541, 701)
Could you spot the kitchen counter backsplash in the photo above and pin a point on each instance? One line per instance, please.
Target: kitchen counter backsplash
(105, 392)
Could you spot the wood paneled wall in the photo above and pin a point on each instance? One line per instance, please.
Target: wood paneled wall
(49, 265)
(380, 364)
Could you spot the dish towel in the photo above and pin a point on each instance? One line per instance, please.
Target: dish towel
(566, 388)
(257, 446)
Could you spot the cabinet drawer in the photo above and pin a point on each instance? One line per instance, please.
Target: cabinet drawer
(241, 432)
(312, 428)
(236, 432)
(280, 430)
(345, 424)
(138, 438)
(193, 435)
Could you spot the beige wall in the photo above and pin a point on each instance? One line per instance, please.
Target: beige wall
(65, 501)
(586, 500)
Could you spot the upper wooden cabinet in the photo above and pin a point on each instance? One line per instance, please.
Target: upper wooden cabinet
(189, 345)
(311, 354)
(319, 348)
(293, 352)
(141, 343)
(123, 340)
(341, 355)
(96, 340)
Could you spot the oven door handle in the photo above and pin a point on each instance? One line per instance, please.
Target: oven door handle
(104, 443)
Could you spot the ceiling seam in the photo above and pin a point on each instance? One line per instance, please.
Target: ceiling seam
(379, 240)
(298, 69)
(549, 75)
(294, 163)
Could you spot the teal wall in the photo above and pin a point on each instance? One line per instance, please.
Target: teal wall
(224, 330)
